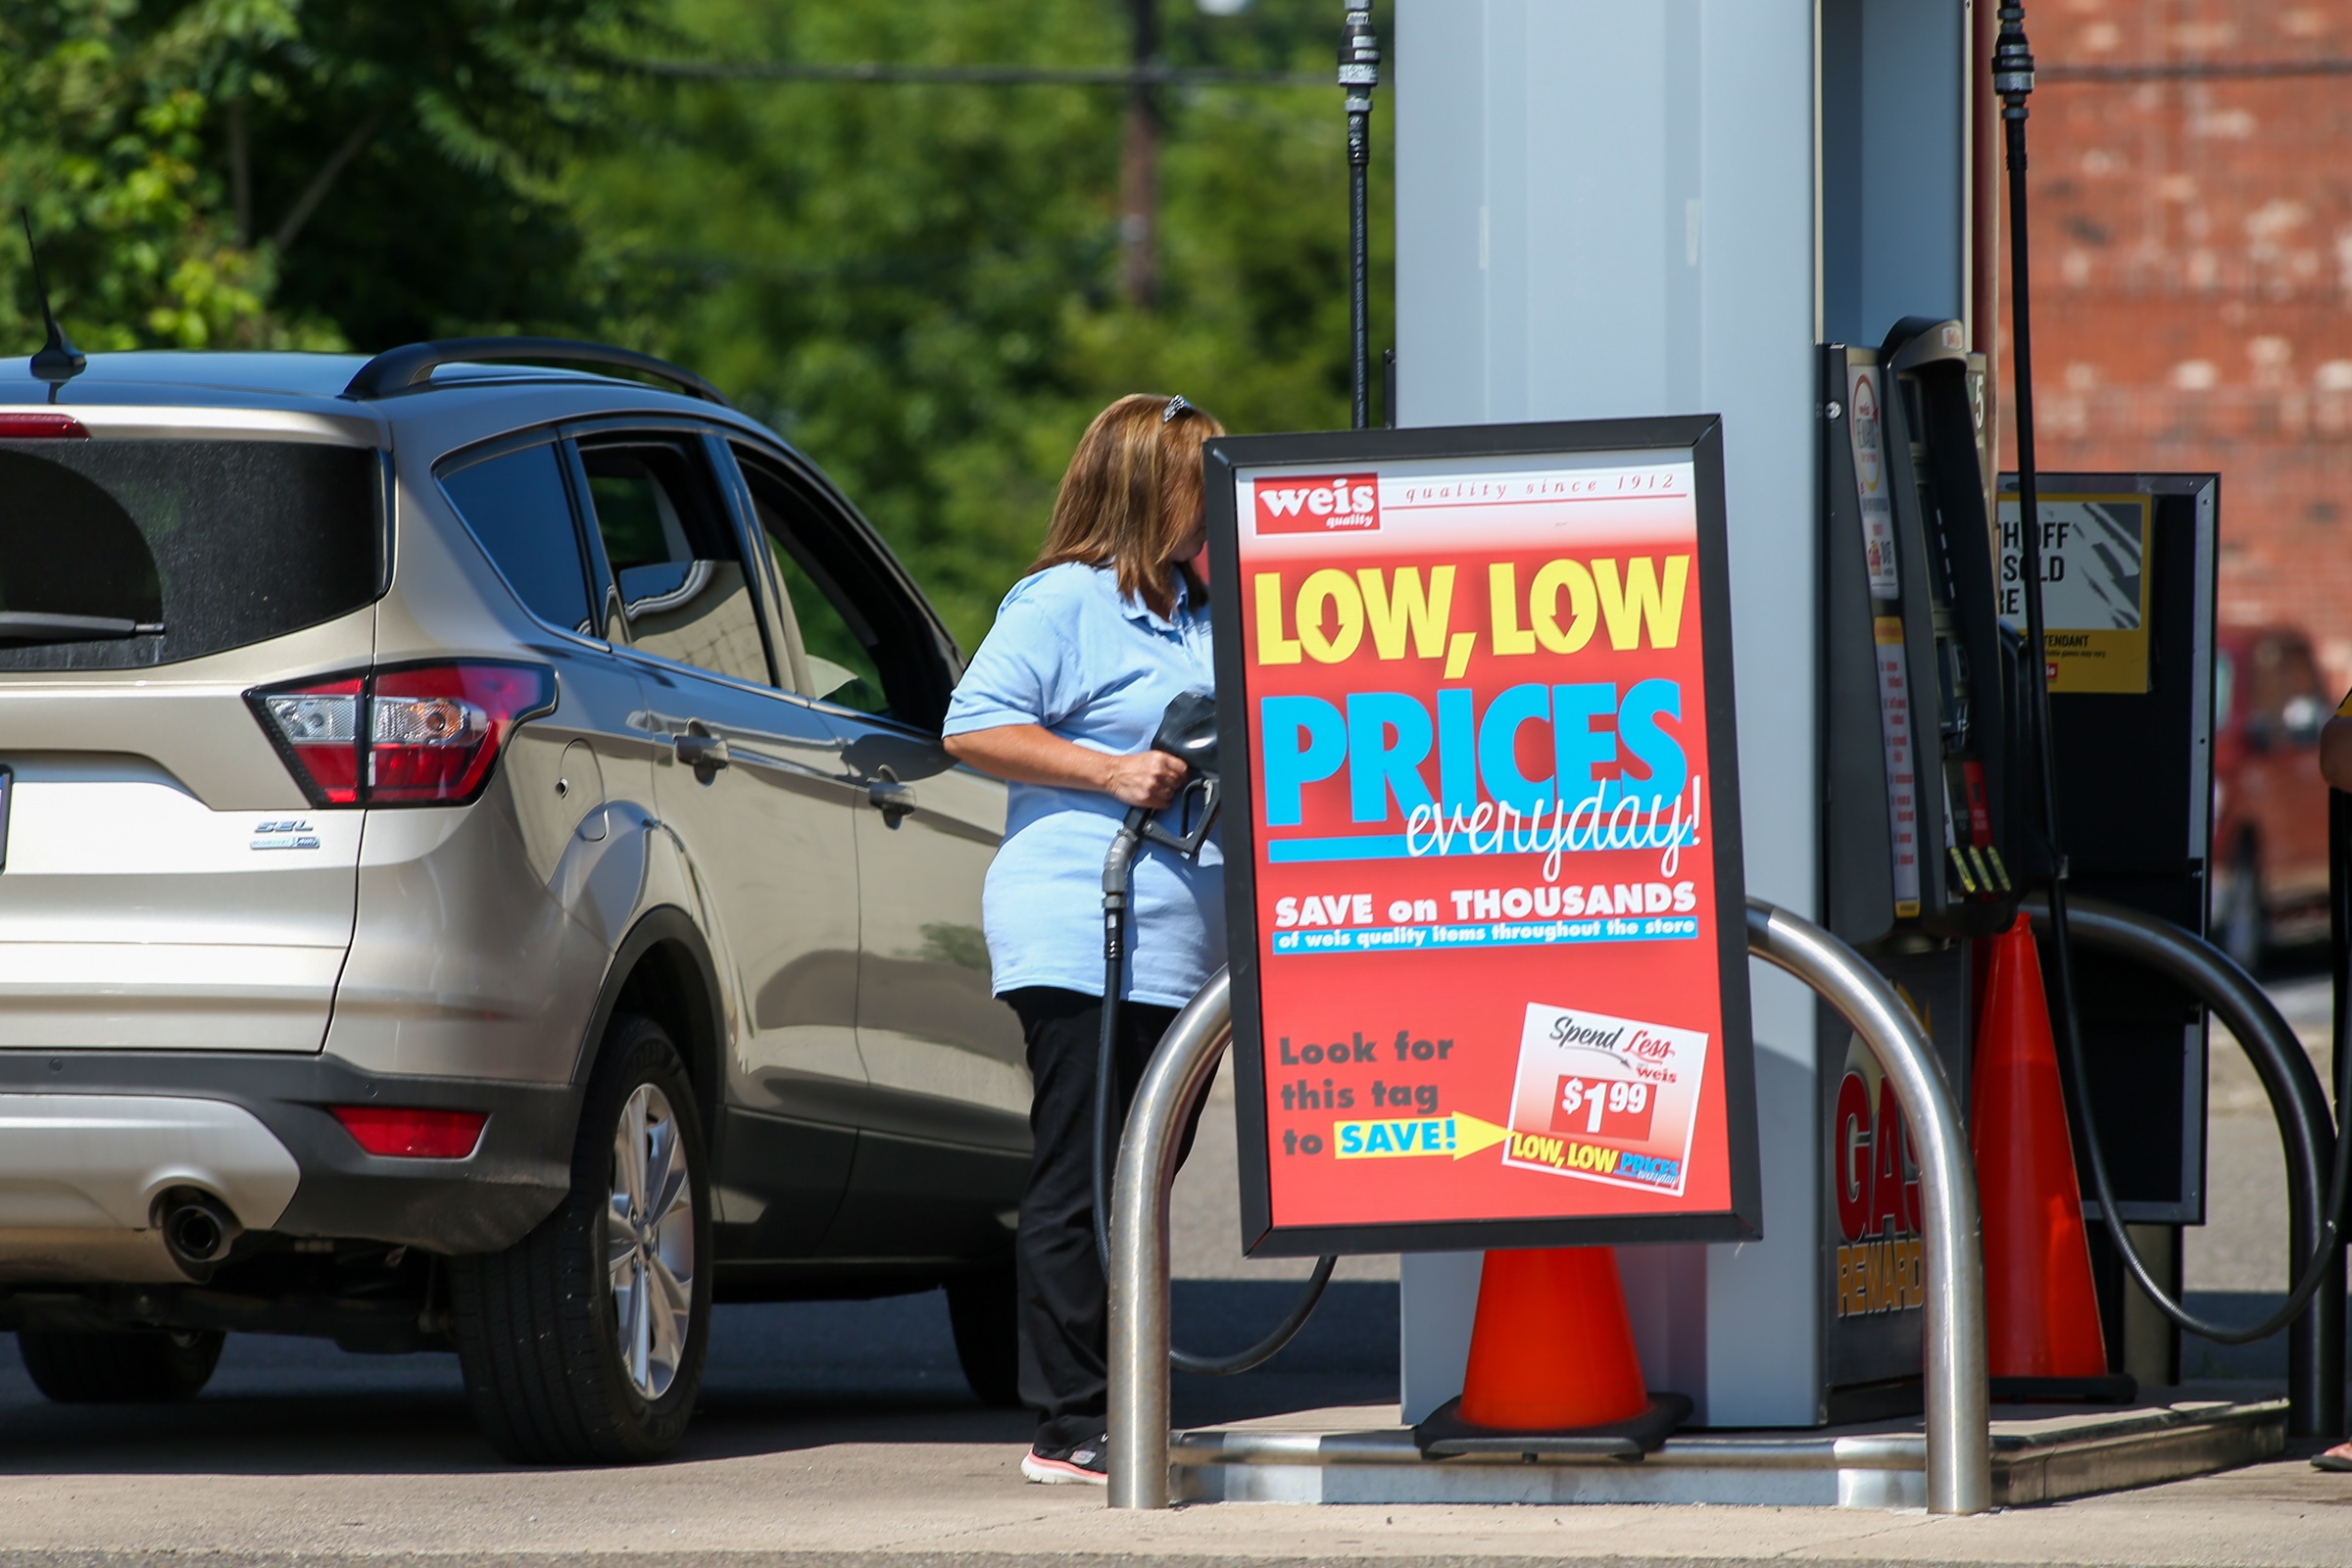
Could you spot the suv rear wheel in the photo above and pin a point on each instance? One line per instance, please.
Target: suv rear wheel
(145, 1366)
(583, 1343)
(983, 1311)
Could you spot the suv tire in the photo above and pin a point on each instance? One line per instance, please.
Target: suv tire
(582, 1343)
(983, 1309)
(144, 1366)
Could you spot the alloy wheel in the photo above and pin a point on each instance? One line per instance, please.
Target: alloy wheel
(648, 1243)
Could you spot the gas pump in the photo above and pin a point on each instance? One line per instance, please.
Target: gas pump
(1917, 736)
(1917, 852)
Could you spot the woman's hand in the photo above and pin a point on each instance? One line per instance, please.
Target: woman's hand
(1146, 779)
(1031, 754)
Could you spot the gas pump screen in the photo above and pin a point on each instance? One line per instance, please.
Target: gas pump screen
(1487, 924)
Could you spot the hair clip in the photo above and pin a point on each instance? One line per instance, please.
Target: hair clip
(1176, 405)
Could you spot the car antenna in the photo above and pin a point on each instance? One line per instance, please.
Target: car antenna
(58, 361)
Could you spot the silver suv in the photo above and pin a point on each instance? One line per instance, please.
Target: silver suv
(477, 870)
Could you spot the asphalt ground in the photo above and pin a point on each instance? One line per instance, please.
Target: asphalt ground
(2242, 1244)
(2235, 1266)
(841, 1434)
(844, 1433)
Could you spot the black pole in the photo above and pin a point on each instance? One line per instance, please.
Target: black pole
(2315, 1344)
(2325, 1354)
(1359, 73)
(2339, 941)
(1139, 162)
(2013, 80)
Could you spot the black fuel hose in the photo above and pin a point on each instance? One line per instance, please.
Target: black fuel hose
(1119, 875)
(2316, 1184)
(2242, 1004)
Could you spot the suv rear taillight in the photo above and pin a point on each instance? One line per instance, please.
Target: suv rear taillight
(415, 735)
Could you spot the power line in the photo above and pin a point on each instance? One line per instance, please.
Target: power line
(885, 73)
(2199, 69)
(872, 72)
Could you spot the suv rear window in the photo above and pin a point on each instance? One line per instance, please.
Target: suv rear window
(518, 508)
(122, 554)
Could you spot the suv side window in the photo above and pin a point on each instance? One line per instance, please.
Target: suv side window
(866, 646)
(841, 666)
(516, 507)
(673, 554)
(836, 650)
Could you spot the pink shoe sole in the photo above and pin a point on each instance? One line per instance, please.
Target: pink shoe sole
(1061, 1473)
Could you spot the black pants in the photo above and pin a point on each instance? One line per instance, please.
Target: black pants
(1063, 1305)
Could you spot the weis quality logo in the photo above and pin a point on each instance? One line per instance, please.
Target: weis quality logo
(1319, 504)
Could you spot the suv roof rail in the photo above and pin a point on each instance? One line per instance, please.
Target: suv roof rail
(411, 368)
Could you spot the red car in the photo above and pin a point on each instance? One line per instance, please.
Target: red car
(2270, 805)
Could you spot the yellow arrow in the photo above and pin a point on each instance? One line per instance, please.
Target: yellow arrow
(1401, 1137)
(1470, 1135)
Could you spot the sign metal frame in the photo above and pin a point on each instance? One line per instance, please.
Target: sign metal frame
(1695, 439)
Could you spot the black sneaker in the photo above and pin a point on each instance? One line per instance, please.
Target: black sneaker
(1079, 1465)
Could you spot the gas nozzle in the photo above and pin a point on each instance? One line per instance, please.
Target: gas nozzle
(1188, 732)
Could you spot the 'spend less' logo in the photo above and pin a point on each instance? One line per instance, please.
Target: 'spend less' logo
(1319, 504)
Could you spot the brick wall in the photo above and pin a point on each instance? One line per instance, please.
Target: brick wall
(2192, 271)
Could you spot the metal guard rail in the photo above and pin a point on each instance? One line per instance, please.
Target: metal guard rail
(1959, 1449)
(2315, 1344)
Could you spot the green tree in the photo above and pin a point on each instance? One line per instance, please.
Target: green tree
(102, 121)
(918, 283)
(311, 172)
(401, 162)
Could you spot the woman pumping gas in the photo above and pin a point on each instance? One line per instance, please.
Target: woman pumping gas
(1062, 699)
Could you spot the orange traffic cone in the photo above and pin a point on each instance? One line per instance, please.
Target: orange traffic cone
(2042, 1313)
(1553, 1365)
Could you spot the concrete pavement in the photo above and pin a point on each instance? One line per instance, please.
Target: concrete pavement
(378, 1460)
(911, 1488)
(844, 1433)
(2242, 1244)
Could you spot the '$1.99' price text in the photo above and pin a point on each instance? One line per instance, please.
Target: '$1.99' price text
(1604, 1108)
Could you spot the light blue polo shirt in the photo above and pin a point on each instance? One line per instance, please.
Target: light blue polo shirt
(1070, 654)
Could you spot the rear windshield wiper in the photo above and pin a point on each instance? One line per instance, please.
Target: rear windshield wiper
(20, 628)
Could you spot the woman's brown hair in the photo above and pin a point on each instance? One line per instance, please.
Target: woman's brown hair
(1131, 492)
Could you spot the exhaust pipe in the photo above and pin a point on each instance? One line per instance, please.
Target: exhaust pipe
(199, 1230)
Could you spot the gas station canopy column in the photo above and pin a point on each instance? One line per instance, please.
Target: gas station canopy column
(1612, 211)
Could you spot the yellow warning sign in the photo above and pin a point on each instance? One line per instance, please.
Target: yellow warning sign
(2094, 600)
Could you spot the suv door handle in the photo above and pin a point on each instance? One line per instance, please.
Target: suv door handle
(891, 798)
(701, 751)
